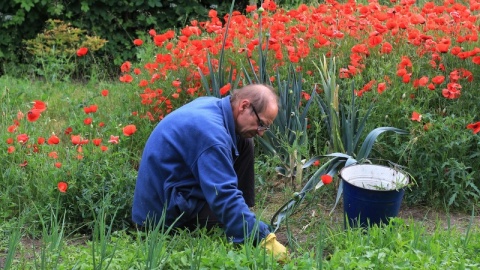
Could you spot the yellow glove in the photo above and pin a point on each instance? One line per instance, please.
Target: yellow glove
(274, 247)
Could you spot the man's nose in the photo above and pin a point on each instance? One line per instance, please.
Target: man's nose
(260, 132)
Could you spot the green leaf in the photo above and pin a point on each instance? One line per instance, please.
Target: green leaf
(27, 5)
(84, 6)
(371, 138)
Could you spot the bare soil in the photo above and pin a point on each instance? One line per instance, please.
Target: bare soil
(310, 214)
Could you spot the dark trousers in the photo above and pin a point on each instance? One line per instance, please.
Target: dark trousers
(244, 168)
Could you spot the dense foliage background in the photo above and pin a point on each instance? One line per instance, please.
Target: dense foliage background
(119, 22)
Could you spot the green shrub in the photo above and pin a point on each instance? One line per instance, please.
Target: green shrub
(119, 22)
(55, 51)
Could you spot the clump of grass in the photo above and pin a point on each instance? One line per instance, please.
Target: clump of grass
(401, 244)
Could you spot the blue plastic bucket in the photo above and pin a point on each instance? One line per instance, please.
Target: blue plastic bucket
(371, 194)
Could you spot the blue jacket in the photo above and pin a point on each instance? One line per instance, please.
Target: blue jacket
(187, 162)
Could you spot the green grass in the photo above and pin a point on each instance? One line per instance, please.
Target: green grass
(402, 244)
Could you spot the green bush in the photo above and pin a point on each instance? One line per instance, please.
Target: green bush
(59, 52)
(119, 22)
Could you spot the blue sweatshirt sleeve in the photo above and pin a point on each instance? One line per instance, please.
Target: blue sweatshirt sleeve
(218, 181)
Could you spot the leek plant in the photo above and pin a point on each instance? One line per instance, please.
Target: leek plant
(345, 127)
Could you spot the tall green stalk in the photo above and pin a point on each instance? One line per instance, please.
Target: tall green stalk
(158, 243)
(102, 235)
(52, 240)
(13, 242)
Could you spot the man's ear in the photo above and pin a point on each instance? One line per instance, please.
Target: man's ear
(244, 104)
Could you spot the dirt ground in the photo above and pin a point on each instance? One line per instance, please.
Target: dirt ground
(430, 218)
(310, 213)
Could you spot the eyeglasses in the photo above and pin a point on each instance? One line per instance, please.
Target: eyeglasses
(261, 125)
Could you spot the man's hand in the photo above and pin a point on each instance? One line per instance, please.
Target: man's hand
(274, 247)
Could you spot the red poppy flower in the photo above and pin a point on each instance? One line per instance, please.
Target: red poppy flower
(39, 105)
(129, 130)
(476, 60)
(475, 127)
(152, 32)
(97, 141)
(126, 66)
(104, 92)
(53, 140)
(40, 140)
(126, 78)
(326, 179)
(224, 90)
(159, 40)
(12, 128)
(251, 8)
(90, 109)
(438, 79)
(360, 49)
(386, 48)
(68, 131)
(22, 138)
(374, 39)
(82, 52)
(11, 149)
(401, 72)
(113, 139)
(87, 121)
(53, 155)
(103, 148)
(76, 139)
(423, 81)
(456, 50)
(406, 77)
(381, 87)
(138, 42)
(305, 95)
(9, 141)
(33, 115)
(442, 48)
(58, 164)
(452, 91)
(176, 83)
(143, 83)
(212, 13)
(62, 187)
(416, 117)
(269, 5)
